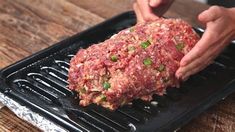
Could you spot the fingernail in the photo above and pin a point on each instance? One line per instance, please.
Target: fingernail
(153, 3)
(185, 78)
(178, 75)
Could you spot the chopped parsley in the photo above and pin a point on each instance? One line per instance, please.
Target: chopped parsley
(131, 29)
(147, 61)
(165, 79)
(161, 68)
(114, 58)
(83, 90)
(131, 48)
(145, 44)
(106, 85)
(180, 46)
(103, 97)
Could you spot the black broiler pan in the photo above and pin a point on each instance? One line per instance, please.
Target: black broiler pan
(39, 82)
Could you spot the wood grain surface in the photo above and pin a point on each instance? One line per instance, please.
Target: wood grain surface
(28, 26)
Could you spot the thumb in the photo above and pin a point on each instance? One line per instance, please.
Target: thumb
(211, 14)
(155, 3)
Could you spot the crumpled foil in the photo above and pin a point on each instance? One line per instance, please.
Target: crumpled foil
(28, 115)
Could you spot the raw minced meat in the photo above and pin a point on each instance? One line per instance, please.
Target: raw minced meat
(135, 63)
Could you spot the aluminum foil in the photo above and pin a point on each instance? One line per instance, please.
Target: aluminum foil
(28, 115)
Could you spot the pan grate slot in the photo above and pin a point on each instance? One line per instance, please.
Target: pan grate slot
(29, 89)
(63, 65)
(145, 107)
(184, 89)
(213, 70)
(70, 55)
(174, 94)
(50, 84)
(55, 73)
(225, 60)
(55, 79)
(130, 116)
(85, 127)
(114, 118)
(207, 74)
(40, 80)
(229, 52)
(67, 60)
(61, 71)
(132, 113)
(216, 66)
(163, 101)
(105, 120)
(92, 121)
(195, 81)
(230, 46)
(222, 66)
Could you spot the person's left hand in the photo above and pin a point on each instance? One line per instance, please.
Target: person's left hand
(220, 30)
(150, 10)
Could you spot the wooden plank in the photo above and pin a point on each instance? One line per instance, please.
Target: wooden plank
(109, 8)
(10, 52)
(27, 27)
(219, 118)
(104, 8)
(9, 123)
(62, 12)
(30, 26)
(1, 105)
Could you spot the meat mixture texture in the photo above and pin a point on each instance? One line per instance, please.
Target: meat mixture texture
(135, 63)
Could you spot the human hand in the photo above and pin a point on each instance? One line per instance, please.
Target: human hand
(220, 30)
(149, 10)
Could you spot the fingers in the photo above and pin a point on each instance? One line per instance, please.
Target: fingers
(146, 10)
(202, 62)
(138, 13)
(155, 3)
(200, 48)
(194, 67)
(211, 14)
(201, 65)
(195, 70)
(198, 64)
(217, 36)
(213, 35)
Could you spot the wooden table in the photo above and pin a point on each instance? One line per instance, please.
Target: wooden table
(27, 26)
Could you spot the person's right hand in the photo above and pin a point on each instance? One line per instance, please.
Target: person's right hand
(149, 10)
(220, 30)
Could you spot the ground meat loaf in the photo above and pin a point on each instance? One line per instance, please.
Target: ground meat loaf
(135, 63)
